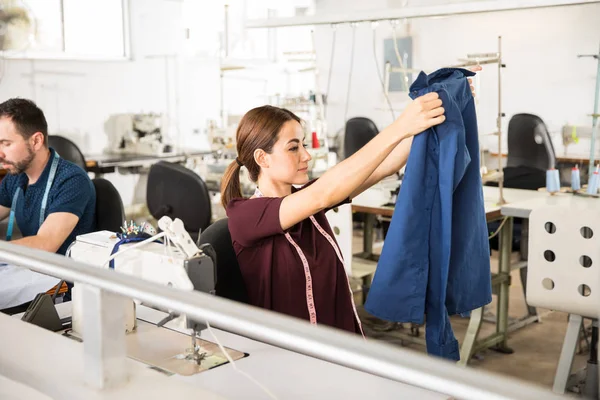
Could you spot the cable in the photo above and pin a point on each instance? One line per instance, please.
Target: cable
(387, 98)
(350, 72)
(234, 366)
(499, 228)
(330, 68)
(400, 62)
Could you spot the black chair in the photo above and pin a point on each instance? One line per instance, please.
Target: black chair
(67, 150)
(230, 283)
(110, 212)
(529, 143)
(359, 131)
(178, 192)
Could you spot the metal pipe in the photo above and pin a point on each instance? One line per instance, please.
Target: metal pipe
(595, 120)
(499, 125)
(290, 333)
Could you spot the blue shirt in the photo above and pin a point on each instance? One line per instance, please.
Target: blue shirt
(72, 191)
(435, 259)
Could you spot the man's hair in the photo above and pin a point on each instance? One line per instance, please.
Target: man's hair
(27, 117)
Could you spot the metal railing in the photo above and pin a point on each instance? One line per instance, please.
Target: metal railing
(321, 342)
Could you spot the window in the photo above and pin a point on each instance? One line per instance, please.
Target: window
(67, 29)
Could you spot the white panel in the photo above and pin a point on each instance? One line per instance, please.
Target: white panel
(556, 245)
(340, 220)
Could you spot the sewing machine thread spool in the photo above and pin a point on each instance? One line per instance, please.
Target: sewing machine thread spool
(593, 182)
(575, 179)
(552, 181)
(315, 140)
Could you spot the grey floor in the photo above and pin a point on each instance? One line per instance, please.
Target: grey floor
(536, 347)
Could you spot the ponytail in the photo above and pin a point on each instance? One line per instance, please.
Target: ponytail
(230, 184)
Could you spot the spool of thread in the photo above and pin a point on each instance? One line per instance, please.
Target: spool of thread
(594, 181)
(552, 181)
(315, 141)
(575, 179)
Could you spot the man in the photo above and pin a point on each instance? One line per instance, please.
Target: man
(53, 200)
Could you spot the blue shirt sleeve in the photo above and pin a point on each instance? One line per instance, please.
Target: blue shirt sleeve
(72, 196)
(6, 194)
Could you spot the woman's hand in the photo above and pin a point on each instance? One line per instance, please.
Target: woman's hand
(474, 68)
(421, 114)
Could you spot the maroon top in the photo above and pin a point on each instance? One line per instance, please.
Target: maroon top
(272, 269)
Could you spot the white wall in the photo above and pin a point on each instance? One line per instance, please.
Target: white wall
(540, 48)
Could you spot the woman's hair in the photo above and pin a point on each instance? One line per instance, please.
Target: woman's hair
(258, 129)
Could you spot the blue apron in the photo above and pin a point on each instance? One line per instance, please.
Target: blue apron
(11, 220)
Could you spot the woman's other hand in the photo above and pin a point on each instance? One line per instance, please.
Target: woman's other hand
(421, 114)
(474, 68)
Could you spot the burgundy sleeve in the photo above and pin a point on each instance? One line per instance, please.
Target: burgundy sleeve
(252, 220)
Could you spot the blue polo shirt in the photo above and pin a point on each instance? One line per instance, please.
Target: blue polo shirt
(72, 191)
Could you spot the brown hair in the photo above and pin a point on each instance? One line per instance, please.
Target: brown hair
(258, 129)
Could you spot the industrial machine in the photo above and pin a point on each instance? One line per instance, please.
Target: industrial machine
(142, 133)
(137, 251)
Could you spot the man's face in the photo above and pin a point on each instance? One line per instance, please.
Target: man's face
(16, 153)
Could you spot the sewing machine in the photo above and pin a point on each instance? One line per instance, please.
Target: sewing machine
(577, 139)
(182, 265)
(139, 134)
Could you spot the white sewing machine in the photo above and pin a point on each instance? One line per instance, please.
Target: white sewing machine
(139, 134)
(182, 265)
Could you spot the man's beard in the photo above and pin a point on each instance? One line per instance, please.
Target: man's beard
(20, 166)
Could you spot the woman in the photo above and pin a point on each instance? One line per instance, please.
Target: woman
(284, 245)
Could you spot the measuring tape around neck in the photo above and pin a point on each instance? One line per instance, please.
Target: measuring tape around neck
(11, 220)
(310, 302)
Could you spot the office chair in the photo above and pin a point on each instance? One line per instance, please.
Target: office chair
(67, 150)
(359, 131)
(230, 283)
(110, 212)
(178, 192)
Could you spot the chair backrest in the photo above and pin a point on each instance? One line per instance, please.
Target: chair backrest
(359, 131)
(67, 150)
(178, 192)
(110, 212)
(529, 143)
(230, 283)
(564, 257)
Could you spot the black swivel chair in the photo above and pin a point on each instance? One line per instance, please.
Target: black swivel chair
(67, 150)
(530, 152)
(178, 192)
(230, 283)
(359, 131)
(110, 212)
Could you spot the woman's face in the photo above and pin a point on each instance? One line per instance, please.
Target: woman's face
(288, 162)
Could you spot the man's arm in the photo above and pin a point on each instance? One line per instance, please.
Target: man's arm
(53, 232)
(4, 212)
